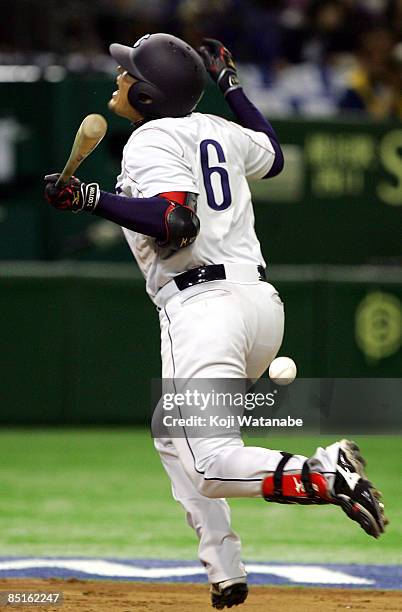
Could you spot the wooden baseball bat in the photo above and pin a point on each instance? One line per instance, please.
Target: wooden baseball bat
(89, 134)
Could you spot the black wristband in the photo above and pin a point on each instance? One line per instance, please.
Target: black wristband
(228, 81)
(90, 196)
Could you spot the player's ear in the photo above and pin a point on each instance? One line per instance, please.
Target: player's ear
(142, 96)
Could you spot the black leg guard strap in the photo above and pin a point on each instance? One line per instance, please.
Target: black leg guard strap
(278, 492)
(305, 478)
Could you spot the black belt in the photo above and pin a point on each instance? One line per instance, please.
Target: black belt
(204, 274)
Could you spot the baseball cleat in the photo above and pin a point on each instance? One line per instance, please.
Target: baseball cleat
(229, 593)
(355, 494)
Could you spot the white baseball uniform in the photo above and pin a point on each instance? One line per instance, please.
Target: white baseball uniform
(228, 328)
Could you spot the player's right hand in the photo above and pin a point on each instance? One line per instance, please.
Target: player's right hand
(219, 64)
(75, 196)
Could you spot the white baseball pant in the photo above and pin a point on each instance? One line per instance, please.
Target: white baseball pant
(220, 329)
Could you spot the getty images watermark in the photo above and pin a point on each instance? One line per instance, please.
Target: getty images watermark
(230, 422)
(185, 408)
(218, 399)
(221, 410)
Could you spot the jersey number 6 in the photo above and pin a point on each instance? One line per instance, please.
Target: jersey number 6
(208, 171)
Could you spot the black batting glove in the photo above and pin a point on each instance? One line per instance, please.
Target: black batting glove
(219, 64)
(75, 196)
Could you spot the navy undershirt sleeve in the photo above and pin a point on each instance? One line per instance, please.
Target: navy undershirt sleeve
(143, 215)
(250, 117)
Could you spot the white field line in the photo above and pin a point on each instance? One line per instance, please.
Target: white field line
(310, 574)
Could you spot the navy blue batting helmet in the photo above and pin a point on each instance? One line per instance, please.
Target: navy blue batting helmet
(170, 75)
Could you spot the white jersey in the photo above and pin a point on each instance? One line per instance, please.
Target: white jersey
(209, 156)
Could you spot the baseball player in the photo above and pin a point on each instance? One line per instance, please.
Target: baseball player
(183, 200)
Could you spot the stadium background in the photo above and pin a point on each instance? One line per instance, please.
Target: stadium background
(79, 336)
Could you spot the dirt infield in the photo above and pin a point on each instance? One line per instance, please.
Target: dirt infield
(104, 596)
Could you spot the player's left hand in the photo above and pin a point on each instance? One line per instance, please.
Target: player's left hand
(75, 196)
(219, 64)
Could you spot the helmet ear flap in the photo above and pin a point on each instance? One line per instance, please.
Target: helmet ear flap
(145, 97)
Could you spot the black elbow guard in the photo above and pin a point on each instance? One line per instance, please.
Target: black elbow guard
(182, 226)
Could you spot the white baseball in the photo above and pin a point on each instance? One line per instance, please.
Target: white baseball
(282, 371)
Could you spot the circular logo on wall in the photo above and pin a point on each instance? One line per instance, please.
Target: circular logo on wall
(378, 325)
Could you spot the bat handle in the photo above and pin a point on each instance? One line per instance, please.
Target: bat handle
(61, 181)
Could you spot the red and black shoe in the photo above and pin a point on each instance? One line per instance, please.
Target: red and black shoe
(356, 495)
(229, 593)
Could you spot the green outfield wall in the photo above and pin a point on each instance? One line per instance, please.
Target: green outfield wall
(338, 201)
(80, 341)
